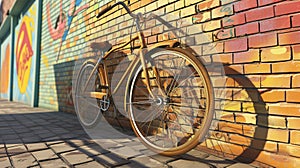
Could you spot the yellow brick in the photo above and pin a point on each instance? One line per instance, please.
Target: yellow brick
(212, 25)
(231, 105)
(272, 121)
(179, 4)
(188, 11)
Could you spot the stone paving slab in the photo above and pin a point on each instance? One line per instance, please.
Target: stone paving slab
(36, 137)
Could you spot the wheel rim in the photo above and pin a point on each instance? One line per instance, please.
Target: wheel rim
(86, 107)
(178, 109)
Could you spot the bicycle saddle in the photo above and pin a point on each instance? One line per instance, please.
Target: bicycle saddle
(101, 46)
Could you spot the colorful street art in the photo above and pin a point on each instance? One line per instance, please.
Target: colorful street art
(5, 69)
(25, 58)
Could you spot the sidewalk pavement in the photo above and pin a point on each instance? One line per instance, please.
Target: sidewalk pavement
(36, 137)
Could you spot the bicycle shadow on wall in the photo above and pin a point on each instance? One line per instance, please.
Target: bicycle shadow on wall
(246, 93)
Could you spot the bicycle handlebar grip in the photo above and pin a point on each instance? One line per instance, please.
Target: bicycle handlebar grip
(110, 7)
(104, 11)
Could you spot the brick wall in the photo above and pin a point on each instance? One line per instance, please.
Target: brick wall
(256, 42)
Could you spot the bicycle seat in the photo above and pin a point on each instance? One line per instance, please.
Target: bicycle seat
(101, 46)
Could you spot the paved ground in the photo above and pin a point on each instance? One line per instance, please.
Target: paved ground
(35, 137)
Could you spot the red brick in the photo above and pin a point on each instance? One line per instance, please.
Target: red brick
(275, 24)
(244, 5)
(286, 67)
(276, 54)
(293, 122)
(289, 38)
(287, 7)
(257, 68)
(296, 20)
(293, 96)
(246, 57)
(295, 137)
(240, 44)
(234, 20)
(260, 13)
(285, 109)
(246, 29)
(267, 2)
(263, 40)
(275, 81)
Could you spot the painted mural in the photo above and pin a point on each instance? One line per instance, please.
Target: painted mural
(25, 57)
(5, 68)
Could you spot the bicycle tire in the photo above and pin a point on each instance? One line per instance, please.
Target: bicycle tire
(154, 121)
(87, 108)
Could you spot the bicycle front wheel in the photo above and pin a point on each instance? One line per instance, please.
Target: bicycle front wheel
(87, 107)
(179, 115)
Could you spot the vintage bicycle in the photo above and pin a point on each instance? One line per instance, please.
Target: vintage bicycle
(168, 93)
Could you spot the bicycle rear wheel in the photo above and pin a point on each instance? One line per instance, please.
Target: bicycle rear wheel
(179, 116)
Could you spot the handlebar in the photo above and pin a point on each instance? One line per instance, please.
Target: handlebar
(114, 5)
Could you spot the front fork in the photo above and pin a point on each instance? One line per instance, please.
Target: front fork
(155, 75)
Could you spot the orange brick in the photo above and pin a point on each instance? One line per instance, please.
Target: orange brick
(277, 160)
(293, 95)
(273, 96)
(268, 145)
(239, 139)
(230, 127)
(295, 137)
(234, 69)
(293, 123)
(239, 44)
(276, 54)
(286, 67)
(280, 81)
(244, 5)
(257, 68)
(275, 24)
(152, 39)
(296, 52)
(263, 40)
(246, 57)
(287, 7)
(288, 149)
(285, 109)
(256, 14)
(223, 58)
(296, 81)
(208, 5)
(249, 81)
(289, 38)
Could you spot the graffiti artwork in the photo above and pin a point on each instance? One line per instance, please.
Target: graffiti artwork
(5, 69)
(25, 57)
